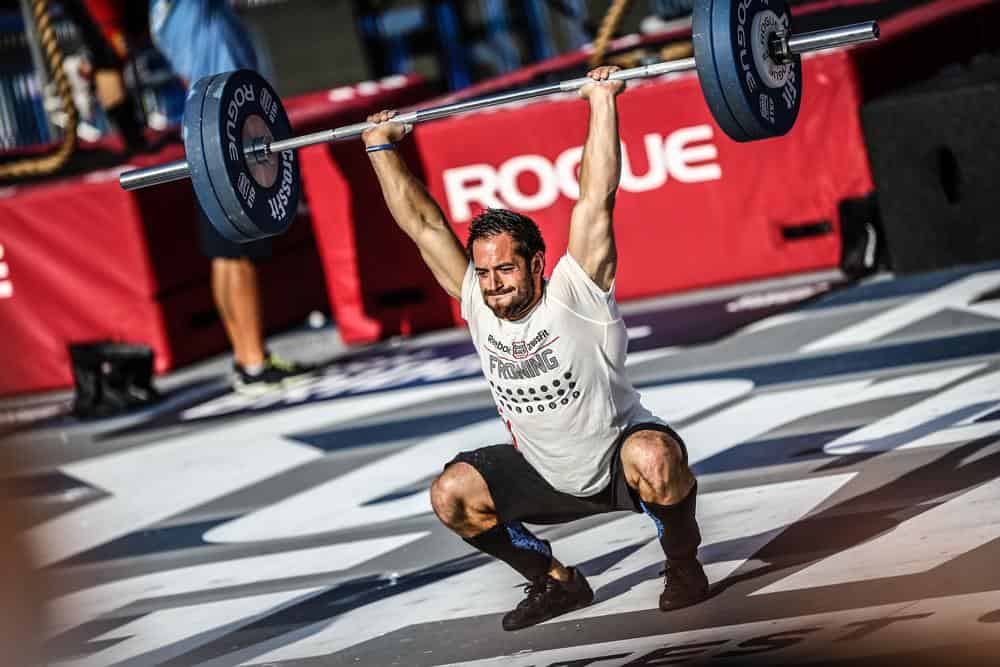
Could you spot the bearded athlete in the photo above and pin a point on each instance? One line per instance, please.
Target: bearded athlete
(554, 355)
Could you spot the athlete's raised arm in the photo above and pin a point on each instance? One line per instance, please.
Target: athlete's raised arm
(591, 234)
(414, 210)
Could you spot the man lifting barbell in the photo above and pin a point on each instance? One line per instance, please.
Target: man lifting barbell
(554, 354)
(553, 351)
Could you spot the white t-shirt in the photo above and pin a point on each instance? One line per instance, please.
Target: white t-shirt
(558, 376)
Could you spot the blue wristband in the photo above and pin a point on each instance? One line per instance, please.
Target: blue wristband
(380, 147)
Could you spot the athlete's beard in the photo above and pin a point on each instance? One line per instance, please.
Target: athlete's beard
(517, 306)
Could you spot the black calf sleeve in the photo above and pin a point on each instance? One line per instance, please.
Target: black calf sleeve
(515, 545)
(677, 525)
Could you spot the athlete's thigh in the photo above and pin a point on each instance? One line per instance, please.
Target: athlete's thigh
(519, 493)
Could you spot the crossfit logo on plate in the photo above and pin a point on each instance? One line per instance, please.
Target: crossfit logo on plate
(790, 93)
(6, 284)
(686, 154)
(279, 202)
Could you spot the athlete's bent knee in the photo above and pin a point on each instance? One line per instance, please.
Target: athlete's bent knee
(457, 495)
(657, 459)
(444, 498)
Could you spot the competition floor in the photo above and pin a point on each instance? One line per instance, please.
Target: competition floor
(849, 461)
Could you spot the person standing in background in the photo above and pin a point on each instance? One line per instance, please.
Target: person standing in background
(200, 38)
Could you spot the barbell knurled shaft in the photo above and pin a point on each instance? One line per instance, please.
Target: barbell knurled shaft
(643, 72)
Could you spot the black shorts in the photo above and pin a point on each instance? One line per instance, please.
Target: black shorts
(213, 244)
(521, 494)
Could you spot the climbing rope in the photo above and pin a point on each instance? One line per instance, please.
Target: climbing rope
(605, 33)
(47, 164)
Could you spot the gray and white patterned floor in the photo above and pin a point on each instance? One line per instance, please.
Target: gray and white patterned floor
(849, 461)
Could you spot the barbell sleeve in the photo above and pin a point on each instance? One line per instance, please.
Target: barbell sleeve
(830, 37)
(161, 173)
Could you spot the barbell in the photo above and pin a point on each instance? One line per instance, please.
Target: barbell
(240, 148)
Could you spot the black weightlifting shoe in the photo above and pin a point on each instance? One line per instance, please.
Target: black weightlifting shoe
(684, 584)
(276, 374)
(548, 598)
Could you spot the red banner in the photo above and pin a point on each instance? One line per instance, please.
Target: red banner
(78, 270)
(85, 261)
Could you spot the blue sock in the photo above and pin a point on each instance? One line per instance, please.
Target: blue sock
(518, 547)
(677, 526)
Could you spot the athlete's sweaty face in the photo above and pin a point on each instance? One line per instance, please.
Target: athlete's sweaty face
(510, 284)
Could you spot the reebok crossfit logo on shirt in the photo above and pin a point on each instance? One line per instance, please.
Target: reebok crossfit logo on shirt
(498, 345)
(531, 358)
(520, 349)
(526, 347)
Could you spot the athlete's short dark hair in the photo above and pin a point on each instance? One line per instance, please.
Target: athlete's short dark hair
(495, 221)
